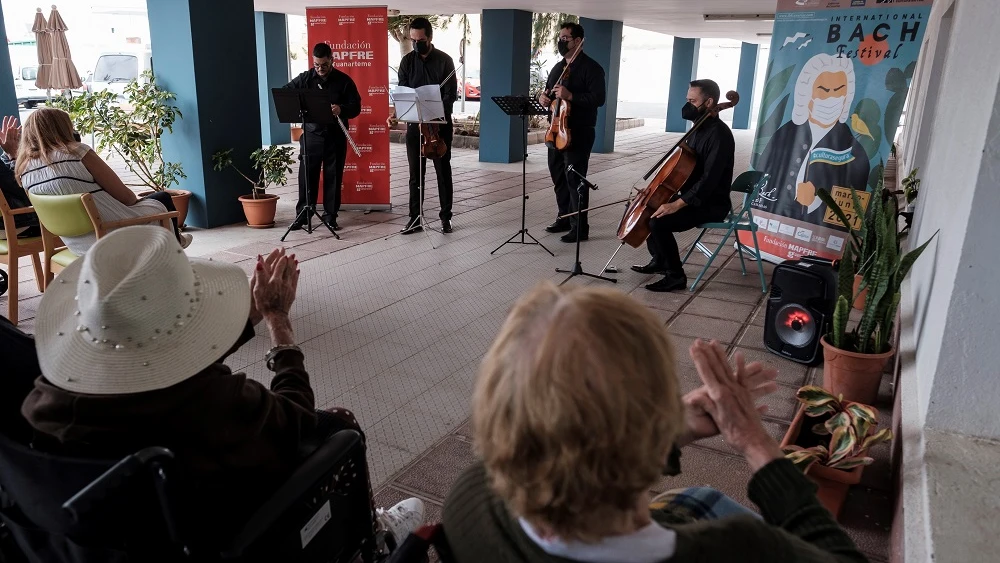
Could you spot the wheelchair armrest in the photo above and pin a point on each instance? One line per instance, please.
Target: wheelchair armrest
(331, 453)
(113, 479)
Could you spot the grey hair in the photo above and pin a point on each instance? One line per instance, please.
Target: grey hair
(807, 79)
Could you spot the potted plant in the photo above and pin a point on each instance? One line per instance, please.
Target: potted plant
(832, 449)
(854, 360)
(273, 164)
(132, 129)
(296, 132)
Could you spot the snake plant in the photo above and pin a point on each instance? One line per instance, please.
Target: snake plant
(850, 426)
(874, 252)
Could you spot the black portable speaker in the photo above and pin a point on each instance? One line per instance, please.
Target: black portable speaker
(800, 308)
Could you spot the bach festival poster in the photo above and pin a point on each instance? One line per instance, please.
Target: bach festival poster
(836, 82)
(357, 37)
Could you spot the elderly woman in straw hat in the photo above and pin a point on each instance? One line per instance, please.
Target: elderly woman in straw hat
(576, 412)
(131, 341)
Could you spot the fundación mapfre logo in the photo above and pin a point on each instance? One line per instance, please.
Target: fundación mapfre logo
(345, 19)
(366, 110)
(378, 91)
(366, 148)
(374, 167)
(376, 129)
(350, 167)
(363, 186)
(317, 20)
(353, 128)
(375, 19)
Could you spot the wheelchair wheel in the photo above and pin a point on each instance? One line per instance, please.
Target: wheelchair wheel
(3, 282)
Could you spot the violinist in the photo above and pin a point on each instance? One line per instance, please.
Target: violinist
(584, 88)
(423, 66)
(704, 197)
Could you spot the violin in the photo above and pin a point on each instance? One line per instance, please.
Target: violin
(558, 135)
(672, 172)
(433, 146)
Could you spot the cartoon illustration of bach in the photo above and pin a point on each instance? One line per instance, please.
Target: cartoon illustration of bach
(816, 149)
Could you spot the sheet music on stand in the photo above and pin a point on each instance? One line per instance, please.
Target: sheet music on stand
(419, 105)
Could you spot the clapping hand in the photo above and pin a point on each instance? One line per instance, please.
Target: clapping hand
(10, 136)
(274, 284)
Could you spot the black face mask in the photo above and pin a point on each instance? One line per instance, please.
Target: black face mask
(691, 112)
(423, 46)
(563, 47)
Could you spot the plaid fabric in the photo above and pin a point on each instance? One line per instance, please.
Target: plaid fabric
(684, 506)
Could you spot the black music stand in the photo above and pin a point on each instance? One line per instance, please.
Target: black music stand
(303, 105)
(577, 270)
(522, 106)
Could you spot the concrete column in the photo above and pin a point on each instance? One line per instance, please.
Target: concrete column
(506, 53)
(203, 52)
(604, 44)
(744, 85)
(683, 69)
(272, 72)
(8, 98)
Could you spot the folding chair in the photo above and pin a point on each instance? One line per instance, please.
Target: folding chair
(11, 251)
(749, 184)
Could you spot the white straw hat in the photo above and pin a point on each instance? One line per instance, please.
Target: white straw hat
(136, 314)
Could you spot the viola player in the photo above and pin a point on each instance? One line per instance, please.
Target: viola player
(585, 90)
(704, 197)
(423, 66)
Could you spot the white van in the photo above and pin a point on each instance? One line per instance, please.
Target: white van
(114, 70)
(28, 95)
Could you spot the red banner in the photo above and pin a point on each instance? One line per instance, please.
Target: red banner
(357, 37)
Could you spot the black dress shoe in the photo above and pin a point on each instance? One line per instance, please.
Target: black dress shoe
(651, 268)
(669, 283)
(412, 227)
(446, 226)
(560, 226)
(571, 236)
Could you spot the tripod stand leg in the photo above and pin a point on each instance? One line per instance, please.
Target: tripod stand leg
(606, 266)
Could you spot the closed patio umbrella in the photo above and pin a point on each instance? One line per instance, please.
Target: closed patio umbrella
(64, 74)
(44, 46)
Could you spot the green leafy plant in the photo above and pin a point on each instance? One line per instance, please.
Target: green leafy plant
(399, 28)
(545, 30)
(850, 427)
(273, 165)
(133, 129)
(874, 253)
(911, 186)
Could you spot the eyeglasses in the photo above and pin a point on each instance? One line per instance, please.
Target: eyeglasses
(565, 37)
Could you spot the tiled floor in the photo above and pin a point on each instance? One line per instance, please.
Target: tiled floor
(394, 326)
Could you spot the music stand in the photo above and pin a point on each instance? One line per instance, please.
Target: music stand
(420, 106)
(302, 105)
(577, 270)
(522, 106)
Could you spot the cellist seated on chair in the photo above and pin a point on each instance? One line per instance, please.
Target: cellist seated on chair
(704, 197)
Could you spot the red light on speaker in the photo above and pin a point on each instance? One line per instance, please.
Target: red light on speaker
(797, 319)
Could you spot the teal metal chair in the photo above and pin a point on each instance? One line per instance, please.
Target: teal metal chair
(749, 184)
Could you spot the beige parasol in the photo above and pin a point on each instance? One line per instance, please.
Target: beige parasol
(64, 74)
(44, 45)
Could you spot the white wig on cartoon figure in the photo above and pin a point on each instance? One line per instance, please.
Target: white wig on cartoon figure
(813, 68)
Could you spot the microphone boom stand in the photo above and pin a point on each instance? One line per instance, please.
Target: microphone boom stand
(577, 266)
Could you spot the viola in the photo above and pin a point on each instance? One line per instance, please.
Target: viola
(672, 172)
(433, 146)
(558, 134)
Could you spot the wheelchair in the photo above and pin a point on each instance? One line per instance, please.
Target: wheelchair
(61, 509)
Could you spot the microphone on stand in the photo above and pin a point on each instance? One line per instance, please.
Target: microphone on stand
(583, 178)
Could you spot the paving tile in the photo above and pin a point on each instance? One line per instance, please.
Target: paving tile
(867, 518)
(411, 429)
(789, 372)
(672, 301)
(702, 467)
(730, 292)
(705, 327)
(715, 308)
(434, 474)
(384, 461)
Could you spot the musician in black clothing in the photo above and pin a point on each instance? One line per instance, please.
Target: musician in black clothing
(326, 144)
(584, 88)
(704, 197)
(423, 66)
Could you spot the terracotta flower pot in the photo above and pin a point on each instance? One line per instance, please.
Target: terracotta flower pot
(856, 376)
(296, 134)
(859, 301)
(260, 210)
(181, 199)
(834, 484)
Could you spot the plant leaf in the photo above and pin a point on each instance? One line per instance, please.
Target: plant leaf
(820, 410)
(841, 443)
(814, 395)
(776, 86)
(883, 435)
(839, 420)
(769, 126)
(820, 430)
(851, 462)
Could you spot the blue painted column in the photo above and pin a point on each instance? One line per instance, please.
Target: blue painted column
(506, 59)
(744, 85)
(272, 72)
(604, 44)
(8, 97)
(683, 68)
(215, 83)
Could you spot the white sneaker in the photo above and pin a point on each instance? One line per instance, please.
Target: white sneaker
(186, 240)
(400, 520)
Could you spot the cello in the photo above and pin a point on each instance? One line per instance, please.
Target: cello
(672, 171)
(558, 137)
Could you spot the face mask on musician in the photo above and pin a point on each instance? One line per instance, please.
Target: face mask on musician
(563, 47)
(690, 112)
(828, 111)
(423, 46)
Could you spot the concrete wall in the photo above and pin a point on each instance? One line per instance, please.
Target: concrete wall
(952, 136)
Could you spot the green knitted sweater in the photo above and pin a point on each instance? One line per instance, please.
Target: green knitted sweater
(796, 528)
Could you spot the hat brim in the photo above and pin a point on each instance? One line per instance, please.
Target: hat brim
(70, 359)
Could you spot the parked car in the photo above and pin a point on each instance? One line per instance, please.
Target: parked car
(472, 93)
(28, 95)
(114, 71)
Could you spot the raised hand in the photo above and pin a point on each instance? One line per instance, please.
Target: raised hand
(10, 136)
(274, 284)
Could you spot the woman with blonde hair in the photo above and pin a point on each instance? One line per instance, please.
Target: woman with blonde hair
(577, 413)
(50, 161)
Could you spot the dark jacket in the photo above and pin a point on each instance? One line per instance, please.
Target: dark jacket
(586, 82)
(342, 91)
(416, 71)
(234, 439)
(711, 181)
(20, 369)
(837, 160)
(481, 529)
(16, 197)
